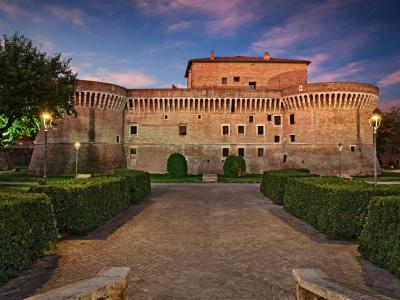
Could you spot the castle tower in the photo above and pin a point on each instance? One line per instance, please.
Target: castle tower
(97, 125)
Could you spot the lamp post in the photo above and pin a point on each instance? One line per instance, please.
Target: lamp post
(374, 122)
(77, 145)
(46, 121)
(340, 148)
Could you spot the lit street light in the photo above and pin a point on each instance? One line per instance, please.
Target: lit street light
(46, 121)
(340, 148)
(374, 122)
(77, 145)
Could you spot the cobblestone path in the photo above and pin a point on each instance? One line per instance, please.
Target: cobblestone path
(204, 241)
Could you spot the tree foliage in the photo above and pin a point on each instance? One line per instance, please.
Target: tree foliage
(388, 139)
(234, 166)
(177, 165)
(31, 82)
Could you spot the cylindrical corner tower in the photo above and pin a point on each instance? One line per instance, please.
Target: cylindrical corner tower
(317, 117)
(97, 125)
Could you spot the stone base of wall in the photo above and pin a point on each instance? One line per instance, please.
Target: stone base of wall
(111, 284)
(92, 158)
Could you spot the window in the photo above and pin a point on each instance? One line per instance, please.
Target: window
(225, 129)
(224, 80)
(117, 139)
(182, 129)
(236, 79)
(260, 129)
(291, 119)
(269, 118)
(165, 117)
(277, 120)
(241, 152)
(240, 129)
(260, 152)
(284, 158)
(199, 117)
(233, 106)
(132, 151)
(277, 139)
(251, 119)
(252, 85)
(225, 152)
(134, 129)
(352, 148)
(292, 138)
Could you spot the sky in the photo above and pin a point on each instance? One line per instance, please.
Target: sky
(147, 43)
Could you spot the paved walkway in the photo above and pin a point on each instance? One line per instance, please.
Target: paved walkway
(204, 241)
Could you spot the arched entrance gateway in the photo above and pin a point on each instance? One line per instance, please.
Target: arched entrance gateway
(258, 107)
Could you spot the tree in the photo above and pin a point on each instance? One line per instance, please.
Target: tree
(177, 165)
(234, 166)
(31, 82)
(388, 139)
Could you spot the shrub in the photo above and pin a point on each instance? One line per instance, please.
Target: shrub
(380, 238)
(27, 227)
(234, 166)
(80, 205)
(177, 165)
(273, 184)
(335, 206)
(138, 183)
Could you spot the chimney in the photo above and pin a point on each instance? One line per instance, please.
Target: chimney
(266, 56)
(212, 55)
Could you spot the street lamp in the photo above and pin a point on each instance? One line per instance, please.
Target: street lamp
(77, 145)
(46, 121)
(340, 148)
(374, 122)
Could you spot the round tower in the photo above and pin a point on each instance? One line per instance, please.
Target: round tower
(318, 117)
(97, 125)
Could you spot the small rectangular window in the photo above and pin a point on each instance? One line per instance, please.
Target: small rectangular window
(292, 138)
(117, 139)
(291, 119)
(225, 129)
(284, 158)
(182, 129)
(134, 129)
(260, 152)
(225, 152)
(240, 129)
(353, 148)
(252, 85)
(241, 152)
(236, 79)
(260, 130)
(165, 117)
(277, 120)
(277, 139)
(224, 80)
(132, 151)
(199, 117)
(251, 119)
(269, 118)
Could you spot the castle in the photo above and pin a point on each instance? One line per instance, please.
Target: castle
(261, 108)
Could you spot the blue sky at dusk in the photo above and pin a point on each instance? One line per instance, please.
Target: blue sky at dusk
(147, 43)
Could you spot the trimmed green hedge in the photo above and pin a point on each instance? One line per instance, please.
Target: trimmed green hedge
(81, 205)
(234, 165)
(273, 184)
(335, 206)
(177, 165)
(380, 238)
(138, 183)
(27, 228)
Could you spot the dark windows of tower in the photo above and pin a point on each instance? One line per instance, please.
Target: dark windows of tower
(291, 119)
(252, 85)
(224, 80)
(225, 152)
(277, 120)
(182, 129)
(241, 152)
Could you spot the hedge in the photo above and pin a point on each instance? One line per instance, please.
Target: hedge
(273, 184)
(335, 206)
(177, 165)
(380, 238)
(81, 205)
(234, 165)
(138, 183)
(27, 228)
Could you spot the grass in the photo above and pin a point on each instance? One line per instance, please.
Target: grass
(385, 176)
(246, 178)
(14, 187)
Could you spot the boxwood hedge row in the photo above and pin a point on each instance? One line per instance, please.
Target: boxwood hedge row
(335, 206)
(138, 183)
(27, 227)
(273, 184)
(380, 238)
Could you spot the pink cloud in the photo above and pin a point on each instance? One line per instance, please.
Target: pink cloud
(10, 9)
(390, 79)
(179, 26)
(75, 16)
(387, 105)
(129, 79)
